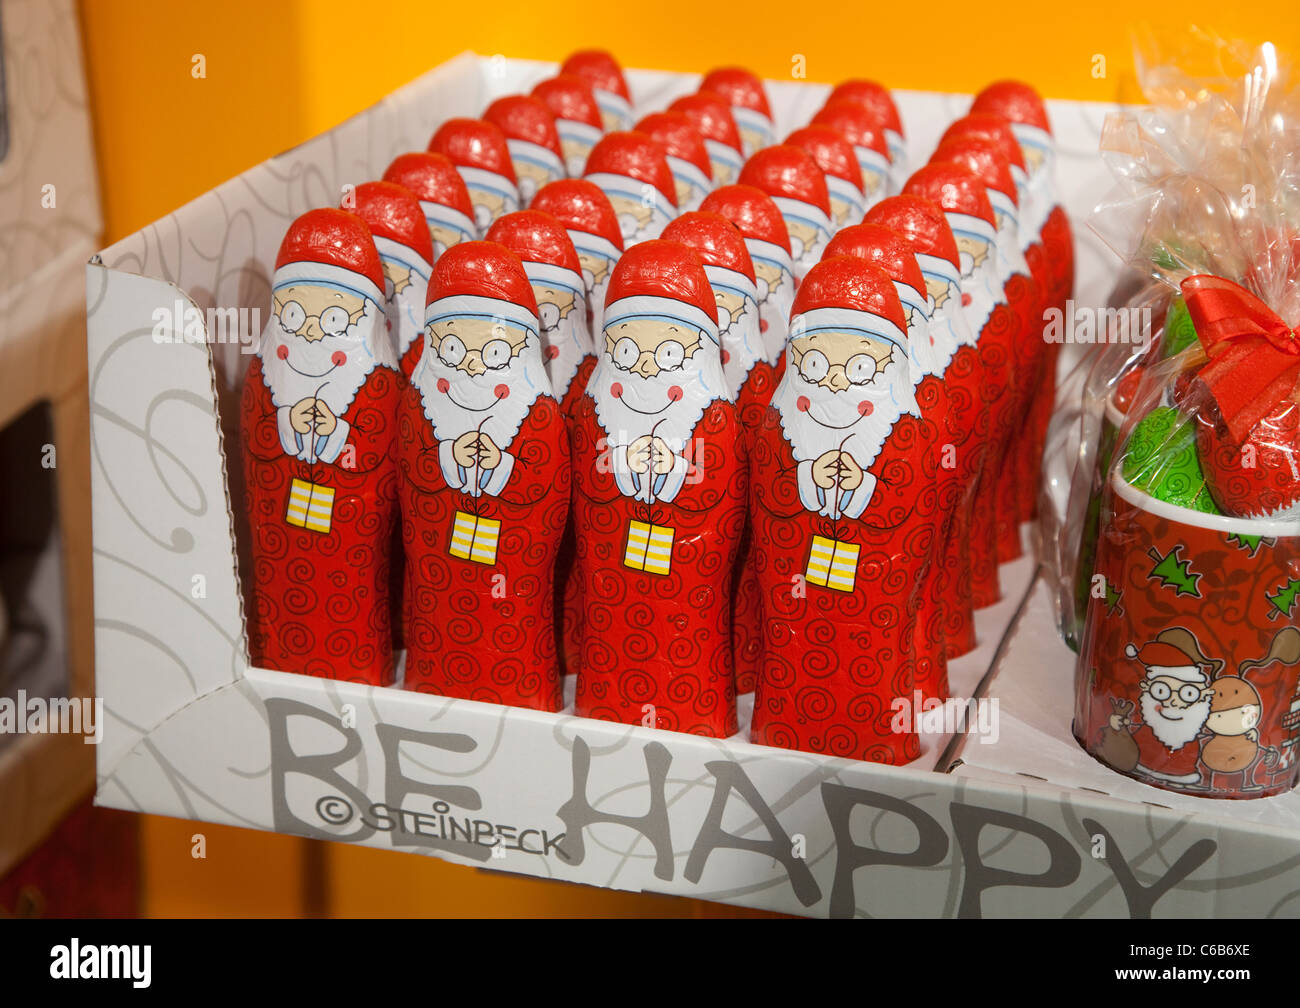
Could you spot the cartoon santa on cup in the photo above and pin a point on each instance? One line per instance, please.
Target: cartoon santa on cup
(318, 425)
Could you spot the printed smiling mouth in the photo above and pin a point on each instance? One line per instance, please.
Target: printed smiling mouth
(674, 395)
(308, 374)
(444, 387)
(805, 406)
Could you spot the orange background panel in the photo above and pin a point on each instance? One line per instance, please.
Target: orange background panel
(278, 73)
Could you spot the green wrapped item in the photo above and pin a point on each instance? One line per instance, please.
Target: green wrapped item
(1179, 332)
(1160, 460)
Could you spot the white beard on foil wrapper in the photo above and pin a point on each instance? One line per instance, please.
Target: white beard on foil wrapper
(1007, 249)
(637, 221)
(743, 344)
(835, 419)
(310, 370)
(1174, 734)
(404, 313)
(1039, 150)
(773, 304)
(645, 407)
(472, 400)
(949, 325)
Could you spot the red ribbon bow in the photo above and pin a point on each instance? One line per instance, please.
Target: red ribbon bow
(1254, 356)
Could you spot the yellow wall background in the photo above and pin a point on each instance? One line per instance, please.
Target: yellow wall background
(281, 71)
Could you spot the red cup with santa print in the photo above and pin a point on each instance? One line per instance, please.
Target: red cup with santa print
(1189, 665)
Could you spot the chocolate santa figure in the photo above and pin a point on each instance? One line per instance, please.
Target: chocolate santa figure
(743, 90)
(841, 547)
(588, 216)
(721, 248)
(599, 69)
(318, 427)
(532, 139)
(834, 156)
(798, 187)
(877, 98)
(712, 117)
(577, 118)
(436, 183)
(632, 170)
(861, 127)
(951, 371)
(659, 503)
(481, 155)
(402, 239)
(892, 254)
(759, 219)
(1042, 216)
(484, 476)
(551, 263)
(687, 156)
(1023, 296)
(960, 194)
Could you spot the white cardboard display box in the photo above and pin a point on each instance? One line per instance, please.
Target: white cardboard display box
(193, 731)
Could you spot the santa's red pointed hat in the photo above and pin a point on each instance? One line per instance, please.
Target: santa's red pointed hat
(396, 223)
(1164, 659)
(570, 98)
(586, 213)
(480, 153)
(527, 120)
(436, 183)
(960, 194)
(873, 96)
(599, 69)
(848, 294)
(888, 250)
(481, 279)
(925, 227)
(759, 219)
(680, 140)
(625, 162)
(721, 247)
(330, 248)
(793, 180)
(662, 280)
(543, 245)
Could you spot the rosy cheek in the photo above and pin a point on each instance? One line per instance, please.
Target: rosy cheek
(552, 352)
(502, 391)
(616, 390)
(443, 385)
(339, 358)
(282, 352)
(675, 393)
(865, 408)
(802, 404)
(726, 357)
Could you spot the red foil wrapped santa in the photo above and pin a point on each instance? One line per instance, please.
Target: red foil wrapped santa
(798, 187)
(966, 206)
(687, 156)
(532, 139)
(712, 117)
(721, 248)
(744, 91)
(1042, 215)
(632, 170)
(862, 127)
(481, 155)
(952, 371)
(876, 98)
(589, 218)
(484, 466)
(599, 69)
(892, 254)
(577, 118)
(433, 180)
(318, 426)
(834, 156)
(841, 546)
(659, 503)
